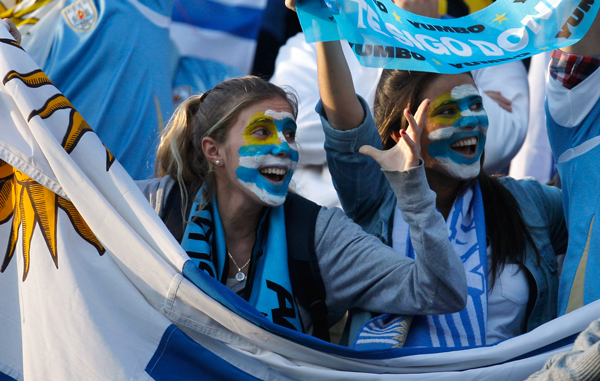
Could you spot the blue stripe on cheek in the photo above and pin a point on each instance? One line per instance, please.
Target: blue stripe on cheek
(439, 148)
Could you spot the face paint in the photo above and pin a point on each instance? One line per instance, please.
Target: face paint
(268, 158)
(461, 109)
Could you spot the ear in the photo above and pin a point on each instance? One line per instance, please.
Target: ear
(212, 150)
(396, 136)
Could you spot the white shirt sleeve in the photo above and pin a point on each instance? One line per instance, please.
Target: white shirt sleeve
(507, 130)
(535, 157)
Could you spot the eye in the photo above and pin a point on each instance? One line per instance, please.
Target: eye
(446, 111)
(476, 106)
(261, 132)
(290, 135)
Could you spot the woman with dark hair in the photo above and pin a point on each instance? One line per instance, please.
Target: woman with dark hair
(223, 169)
(506, 232)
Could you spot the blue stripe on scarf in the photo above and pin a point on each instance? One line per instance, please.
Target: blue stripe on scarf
(455, 330)
(439, 331)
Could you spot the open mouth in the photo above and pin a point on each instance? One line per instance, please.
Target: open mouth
(273, 174)
(466, 146)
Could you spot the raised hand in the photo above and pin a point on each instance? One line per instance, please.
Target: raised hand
(12, 29)
(406, 153)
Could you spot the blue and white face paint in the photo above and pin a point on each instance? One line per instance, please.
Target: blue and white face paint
(458, 148)
(269, 156)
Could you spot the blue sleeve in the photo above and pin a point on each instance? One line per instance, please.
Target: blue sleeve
(358, 179)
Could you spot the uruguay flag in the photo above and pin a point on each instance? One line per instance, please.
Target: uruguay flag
(93, 285)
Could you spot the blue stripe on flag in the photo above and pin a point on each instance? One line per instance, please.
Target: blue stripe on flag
(178, 357)
(240, 21)
(5, 377)
(550, 347)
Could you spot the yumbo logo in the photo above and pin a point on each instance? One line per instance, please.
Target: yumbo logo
(81, 16)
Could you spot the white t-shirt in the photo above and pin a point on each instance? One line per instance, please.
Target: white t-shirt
(507, 303)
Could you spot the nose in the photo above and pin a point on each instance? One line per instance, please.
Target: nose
(282, 151)
(468, 122)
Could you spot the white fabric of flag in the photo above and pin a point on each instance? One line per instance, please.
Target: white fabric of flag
(114, 297)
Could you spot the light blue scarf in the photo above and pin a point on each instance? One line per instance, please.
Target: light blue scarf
(204, 241)
(466, 232)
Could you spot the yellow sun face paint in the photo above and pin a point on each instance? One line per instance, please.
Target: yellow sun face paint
(444, 110)
(261, 130)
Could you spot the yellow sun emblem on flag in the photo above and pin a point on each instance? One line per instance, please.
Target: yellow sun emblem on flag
(31, 204)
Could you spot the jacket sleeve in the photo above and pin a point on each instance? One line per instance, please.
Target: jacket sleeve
(359, 271)
(556, 218)
(360, 184)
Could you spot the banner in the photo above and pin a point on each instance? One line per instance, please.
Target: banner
(94, 286)
(383, 35)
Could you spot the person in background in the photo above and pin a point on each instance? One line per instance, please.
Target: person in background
(173, 49)
(80, 46)
(573, 122)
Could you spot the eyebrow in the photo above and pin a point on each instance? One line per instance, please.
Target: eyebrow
(445, 103)
(260, 119)
(452, 100)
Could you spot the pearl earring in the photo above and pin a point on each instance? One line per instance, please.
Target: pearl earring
(218, 162)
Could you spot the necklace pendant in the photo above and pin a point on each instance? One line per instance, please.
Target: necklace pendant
(240, 276)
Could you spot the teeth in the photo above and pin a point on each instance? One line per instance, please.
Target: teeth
(464, 142)
(273, 171)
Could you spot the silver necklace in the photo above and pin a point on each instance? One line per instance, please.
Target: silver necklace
(240, 276)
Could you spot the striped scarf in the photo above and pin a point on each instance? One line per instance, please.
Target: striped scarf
(466, 232)
(204, 241)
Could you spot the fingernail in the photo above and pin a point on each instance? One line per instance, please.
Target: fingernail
(408, 111)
